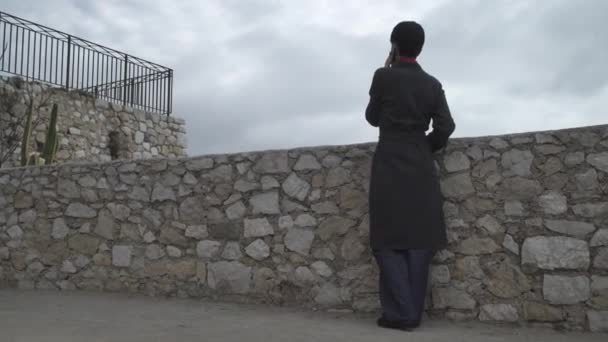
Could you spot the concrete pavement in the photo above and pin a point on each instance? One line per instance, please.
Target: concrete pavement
(94, 317)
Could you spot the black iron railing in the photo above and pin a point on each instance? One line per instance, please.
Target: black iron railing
(39, 53)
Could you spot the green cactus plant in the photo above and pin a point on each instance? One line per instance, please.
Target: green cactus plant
(35, 159)
(27, 133)
(51, 143)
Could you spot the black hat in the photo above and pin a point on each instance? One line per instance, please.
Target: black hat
(409, 37)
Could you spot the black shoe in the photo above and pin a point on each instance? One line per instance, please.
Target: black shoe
(398, 325)
(412, 325)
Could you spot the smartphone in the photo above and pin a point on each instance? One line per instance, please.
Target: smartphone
(393, 57)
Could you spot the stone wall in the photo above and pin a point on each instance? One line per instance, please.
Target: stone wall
(527, 216)
(90, 129)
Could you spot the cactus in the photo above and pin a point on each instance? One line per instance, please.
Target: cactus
(39, 161)
(27, 133)
(35, 159)
(51, 142)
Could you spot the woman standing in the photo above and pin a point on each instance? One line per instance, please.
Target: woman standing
(405, 202)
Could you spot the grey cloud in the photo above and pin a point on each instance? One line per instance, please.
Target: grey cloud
(545, 48)
(263, 74)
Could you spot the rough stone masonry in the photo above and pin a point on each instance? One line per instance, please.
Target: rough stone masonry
(89, 129)
(527, 217)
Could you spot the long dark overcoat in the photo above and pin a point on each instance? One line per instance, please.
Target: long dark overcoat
(405, 200)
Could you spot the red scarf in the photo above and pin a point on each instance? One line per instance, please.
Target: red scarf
(407, 59)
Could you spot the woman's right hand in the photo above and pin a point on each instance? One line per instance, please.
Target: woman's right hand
(389, 59)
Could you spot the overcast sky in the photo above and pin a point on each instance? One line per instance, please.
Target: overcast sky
(266, 74)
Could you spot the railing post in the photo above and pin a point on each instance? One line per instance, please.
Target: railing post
(132, 92)
(169, 90)
(3, 47)
(68, 64)
(124, 82)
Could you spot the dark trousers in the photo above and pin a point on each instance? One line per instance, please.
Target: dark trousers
(403, 282)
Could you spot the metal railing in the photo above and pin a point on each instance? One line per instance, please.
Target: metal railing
(39, 53)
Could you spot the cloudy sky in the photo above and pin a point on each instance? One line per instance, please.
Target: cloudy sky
(265, 74)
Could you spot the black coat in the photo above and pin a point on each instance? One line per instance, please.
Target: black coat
(405, 200)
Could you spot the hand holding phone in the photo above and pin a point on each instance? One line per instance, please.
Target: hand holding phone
(391, 57)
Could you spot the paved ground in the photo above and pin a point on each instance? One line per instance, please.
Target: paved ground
(93, 317)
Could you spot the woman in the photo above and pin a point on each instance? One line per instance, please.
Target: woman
(405, 201)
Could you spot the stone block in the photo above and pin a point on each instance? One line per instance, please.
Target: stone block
(257, 228)
(565, 290)
(598, 321)
(498, 313)
(457, 186)
(207, 249)
(121, 256)
(599, 161)
(477, 246)
(334, 226)
(229, 277)
(600, 238)
(537, 312)
(573, 228)
(272, 162)
(296, 187)
(232, 251)
(518, 162)
(553, 203)
(440, 274)
(79, 210)
(600, 261)
(550, 253)
(307, 162)
(456, 161)
(265, 203)
(258, 250)
(518, 188)
(452, 298)
(299, 240)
